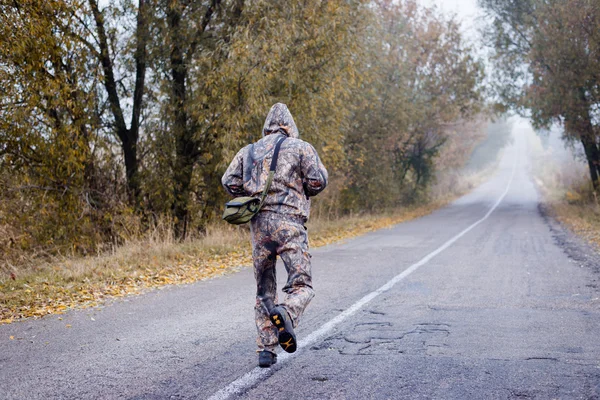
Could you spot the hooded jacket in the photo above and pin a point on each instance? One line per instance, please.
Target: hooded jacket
(300, 173)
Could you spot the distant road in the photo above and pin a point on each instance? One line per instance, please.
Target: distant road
(475, 301)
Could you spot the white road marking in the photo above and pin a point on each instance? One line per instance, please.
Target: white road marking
(257, 374)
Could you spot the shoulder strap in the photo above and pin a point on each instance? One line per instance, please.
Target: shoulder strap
(276, 153)
(271, 170)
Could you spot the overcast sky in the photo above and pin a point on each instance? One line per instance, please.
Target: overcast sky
(467, 12)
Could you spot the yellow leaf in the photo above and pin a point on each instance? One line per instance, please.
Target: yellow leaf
(12, 338)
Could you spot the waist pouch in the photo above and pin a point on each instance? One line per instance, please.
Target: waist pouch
(241, 210)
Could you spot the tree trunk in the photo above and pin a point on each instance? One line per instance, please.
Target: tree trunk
(184, 167)
(131, 170)
(188, 145)
(213, 194)
(185, 146)
(130, 146)
(592, 155)
(128, 136)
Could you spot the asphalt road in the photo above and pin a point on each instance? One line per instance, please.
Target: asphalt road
(484, 299)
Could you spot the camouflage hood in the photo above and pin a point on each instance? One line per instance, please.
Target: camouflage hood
(280, 120)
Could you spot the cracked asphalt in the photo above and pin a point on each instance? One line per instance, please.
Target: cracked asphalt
(511, 310)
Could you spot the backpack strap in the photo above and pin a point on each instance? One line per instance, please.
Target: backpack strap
(263, 197)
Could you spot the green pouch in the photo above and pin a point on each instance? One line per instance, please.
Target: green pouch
(241, 210)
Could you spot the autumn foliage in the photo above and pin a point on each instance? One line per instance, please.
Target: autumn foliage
(118, 116)
(547, 62)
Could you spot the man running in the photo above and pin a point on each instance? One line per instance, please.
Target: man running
(278, 228)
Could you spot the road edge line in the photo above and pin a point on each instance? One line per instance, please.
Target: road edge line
(252, 377)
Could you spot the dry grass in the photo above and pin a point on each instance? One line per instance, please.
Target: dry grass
(579, 210)
(566, 189)
(51, 287)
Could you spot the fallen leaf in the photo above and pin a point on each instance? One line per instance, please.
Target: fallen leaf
(68, 325)
(52, 298)
(12, 338)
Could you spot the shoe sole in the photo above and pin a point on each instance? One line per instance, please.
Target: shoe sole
(287, 340)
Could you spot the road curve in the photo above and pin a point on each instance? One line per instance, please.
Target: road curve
(475, 301)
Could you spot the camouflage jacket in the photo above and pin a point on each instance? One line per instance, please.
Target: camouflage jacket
(299, 174)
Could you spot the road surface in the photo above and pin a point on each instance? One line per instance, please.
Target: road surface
(480, 300)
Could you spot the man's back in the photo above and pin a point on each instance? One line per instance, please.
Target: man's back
(299, 173)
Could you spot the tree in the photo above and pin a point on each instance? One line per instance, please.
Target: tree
(550, 50)
(224, 72)
(48, 126)
(187, 41)
(420, 78)
(117, 114)
(106, 41)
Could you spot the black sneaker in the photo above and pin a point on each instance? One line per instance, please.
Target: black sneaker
(285, 329)
(266, 359)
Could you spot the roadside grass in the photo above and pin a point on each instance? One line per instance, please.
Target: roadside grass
(566, 190)
(52, 286)
(579, 210)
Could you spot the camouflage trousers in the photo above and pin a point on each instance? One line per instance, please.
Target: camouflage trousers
(272, 235)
